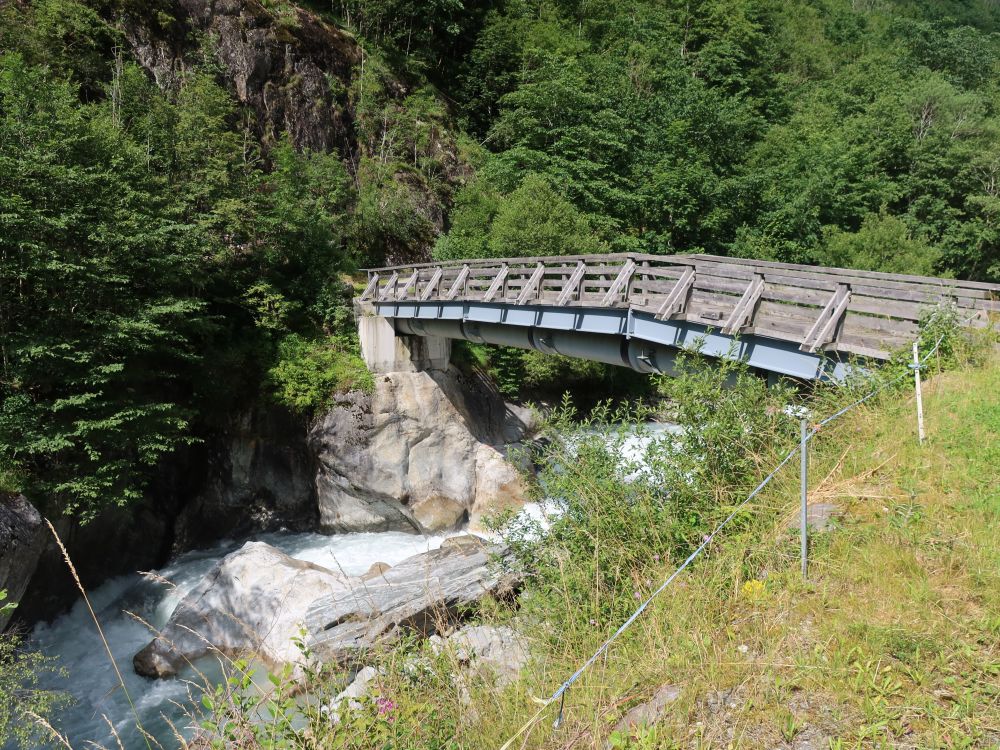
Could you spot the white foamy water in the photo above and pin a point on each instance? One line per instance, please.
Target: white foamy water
(91, 680)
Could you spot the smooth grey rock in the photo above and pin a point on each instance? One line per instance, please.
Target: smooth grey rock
(376, 569)
(22, 539)
(345, 508)
(425, 594)
(465, 540)
(819, 517)
(259, 476)
(499, 485)
(358, 688)
(519, 421)
(252, 602)
(648, 713)
(419, 453)
(499, 648)
(439, 512)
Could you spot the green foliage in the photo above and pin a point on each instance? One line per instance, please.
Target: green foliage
(883, 243)
(793, 131)
(471, 219)
(536, 220)
(308, 372)
(152, 256)
(410, 704)
(529, 375)
(617, 514)
(9, 607)
(97, 312)
(403, 170)
(426, 33)
(162, 260)
(20, 697)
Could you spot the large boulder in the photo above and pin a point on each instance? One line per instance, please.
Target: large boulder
(22, 539)
(499, 485)
(495, 653)
(425, 451)
(253, 601)
(424, 594)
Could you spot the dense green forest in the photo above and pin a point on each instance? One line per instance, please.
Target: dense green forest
(165, 258)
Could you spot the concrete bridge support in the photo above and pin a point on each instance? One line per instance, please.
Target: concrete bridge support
(386, 351)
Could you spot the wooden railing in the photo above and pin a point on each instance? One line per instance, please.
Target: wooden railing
(854, 312)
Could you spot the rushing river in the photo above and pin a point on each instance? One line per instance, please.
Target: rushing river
(90, 680)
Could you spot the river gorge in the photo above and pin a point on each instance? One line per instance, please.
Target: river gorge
(129, 606)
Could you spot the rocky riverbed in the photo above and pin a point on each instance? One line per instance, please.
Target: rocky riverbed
(372, 492)
(90, 680)
(258, 599)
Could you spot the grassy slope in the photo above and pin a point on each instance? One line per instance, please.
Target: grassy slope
(893, 642)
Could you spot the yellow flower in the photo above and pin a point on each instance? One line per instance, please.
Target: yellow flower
(753, 590)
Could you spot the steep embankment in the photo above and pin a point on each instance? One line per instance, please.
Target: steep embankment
(296, 75)
(893, 639)
(240, 158)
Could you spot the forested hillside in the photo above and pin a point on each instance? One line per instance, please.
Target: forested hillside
(185, 184)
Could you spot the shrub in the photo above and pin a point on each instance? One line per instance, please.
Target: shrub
(23, 706)
(309, 371)
(618, 511)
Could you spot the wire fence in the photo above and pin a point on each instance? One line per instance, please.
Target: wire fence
(560, 693)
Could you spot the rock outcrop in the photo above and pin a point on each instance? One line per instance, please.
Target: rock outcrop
(118, 541)
(648, 713)
(256, 600)
(22, 539)
(496, 654)
(500, 650)
(294, 74)
(253, 601)
(258, 476)
(425, 594)
(426, 451)
(280, 63)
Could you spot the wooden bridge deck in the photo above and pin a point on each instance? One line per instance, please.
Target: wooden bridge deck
(818, 309)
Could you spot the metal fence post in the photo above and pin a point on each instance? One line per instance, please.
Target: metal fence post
(920, 399)
(804, 473)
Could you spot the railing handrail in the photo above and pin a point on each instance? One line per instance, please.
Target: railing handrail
(684, 259)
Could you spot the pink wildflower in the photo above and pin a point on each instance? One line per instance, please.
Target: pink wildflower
(385, 706)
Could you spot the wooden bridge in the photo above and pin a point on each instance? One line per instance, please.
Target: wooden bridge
(638, 310)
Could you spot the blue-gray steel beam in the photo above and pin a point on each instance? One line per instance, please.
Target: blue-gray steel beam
(619, 336)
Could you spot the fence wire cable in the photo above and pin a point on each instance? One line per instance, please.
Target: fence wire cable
(560, 693)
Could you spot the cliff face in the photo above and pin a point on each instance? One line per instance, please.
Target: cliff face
(298, 74)
(22, 537)
(280, 66)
